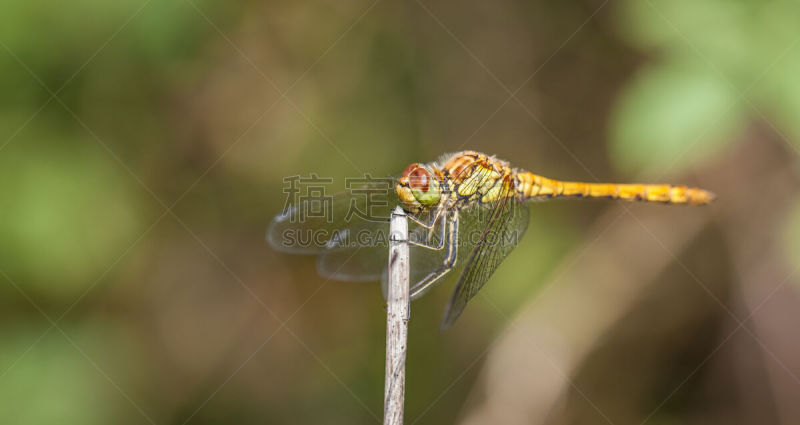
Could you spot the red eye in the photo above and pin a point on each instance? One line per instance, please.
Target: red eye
(408, 169)
(418, 179)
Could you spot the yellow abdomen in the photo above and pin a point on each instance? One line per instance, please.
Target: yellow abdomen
(532, 186)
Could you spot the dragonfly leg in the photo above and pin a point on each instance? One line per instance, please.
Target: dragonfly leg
(419, 288)
(441, 218)
(432, 223)
(428, 245)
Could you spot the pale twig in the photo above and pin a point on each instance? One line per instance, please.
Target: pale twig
(397, 316)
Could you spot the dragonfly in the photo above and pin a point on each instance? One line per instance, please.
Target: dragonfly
(468, 212)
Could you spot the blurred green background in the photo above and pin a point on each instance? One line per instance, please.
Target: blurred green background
(143, 146)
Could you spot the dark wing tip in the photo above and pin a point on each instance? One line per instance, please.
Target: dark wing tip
(454, 308)
(448, 321)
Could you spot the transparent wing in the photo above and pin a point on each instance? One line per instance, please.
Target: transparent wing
(366, 258)
(359, 254)
(349, 232)
(318, 222)
(503, 224)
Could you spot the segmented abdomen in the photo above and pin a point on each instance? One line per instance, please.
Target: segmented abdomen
(532, 186)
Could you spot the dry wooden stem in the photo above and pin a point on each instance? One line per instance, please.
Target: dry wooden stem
(397, 316)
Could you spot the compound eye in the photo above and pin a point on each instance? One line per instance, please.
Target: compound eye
(419, 179)
(409, 169)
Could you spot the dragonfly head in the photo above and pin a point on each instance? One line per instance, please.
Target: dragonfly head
(418, 187)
